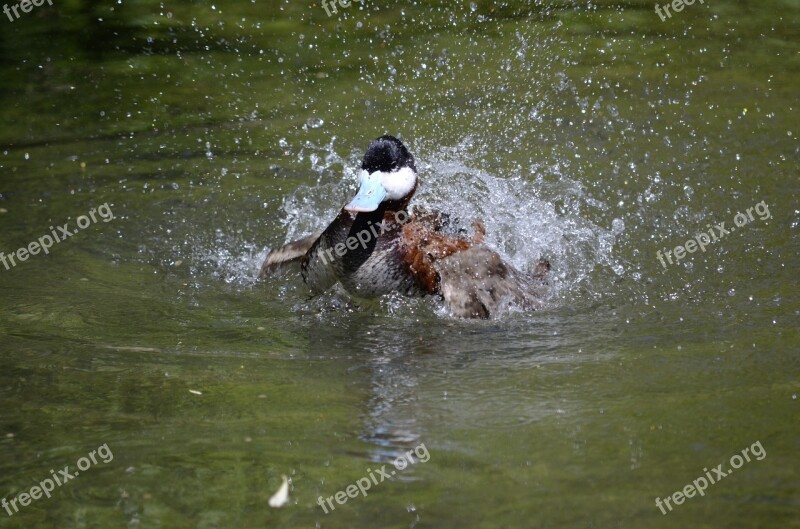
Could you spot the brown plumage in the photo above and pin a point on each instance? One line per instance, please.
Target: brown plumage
(424, 244)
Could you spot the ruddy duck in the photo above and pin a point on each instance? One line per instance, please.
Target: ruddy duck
(376, 246)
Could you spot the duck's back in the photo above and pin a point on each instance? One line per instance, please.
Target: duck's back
(477, 283)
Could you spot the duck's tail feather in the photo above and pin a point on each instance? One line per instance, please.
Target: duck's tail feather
(287, 254)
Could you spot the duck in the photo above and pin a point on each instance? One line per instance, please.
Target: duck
(378, 244)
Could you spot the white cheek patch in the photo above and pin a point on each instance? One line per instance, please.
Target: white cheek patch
(398, 184)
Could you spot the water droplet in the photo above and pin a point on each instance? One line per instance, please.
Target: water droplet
(314, 123)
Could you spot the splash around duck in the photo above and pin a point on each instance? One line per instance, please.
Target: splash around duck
(378, 244)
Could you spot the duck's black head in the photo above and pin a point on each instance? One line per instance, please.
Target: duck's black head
(388, 174)
(387, 154)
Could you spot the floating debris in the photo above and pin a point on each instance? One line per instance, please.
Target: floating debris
(280, 498)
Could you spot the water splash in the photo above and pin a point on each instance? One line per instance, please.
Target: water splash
(521, 224)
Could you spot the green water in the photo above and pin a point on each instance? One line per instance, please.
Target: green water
(594, 135)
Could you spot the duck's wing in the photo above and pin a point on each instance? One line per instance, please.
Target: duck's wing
(477, 283)
(287, 254)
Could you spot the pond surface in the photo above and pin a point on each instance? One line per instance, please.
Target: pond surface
(597, 136)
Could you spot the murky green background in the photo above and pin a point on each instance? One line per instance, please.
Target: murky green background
(593, 134)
